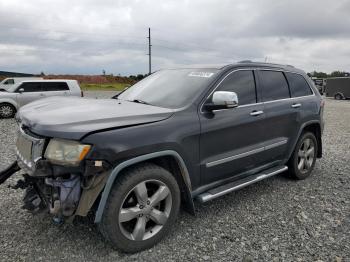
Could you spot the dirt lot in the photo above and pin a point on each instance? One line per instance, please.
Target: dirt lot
(277, 219)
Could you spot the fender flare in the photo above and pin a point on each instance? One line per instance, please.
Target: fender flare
(300, 132)
(115, 172)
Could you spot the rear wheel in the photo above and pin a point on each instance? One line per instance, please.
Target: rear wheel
(141, 208)
(303, 159)
(7, 110)
(338, 97)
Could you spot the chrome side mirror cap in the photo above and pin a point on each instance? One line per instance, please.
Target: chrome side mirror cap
(222, 100)
(225, 98)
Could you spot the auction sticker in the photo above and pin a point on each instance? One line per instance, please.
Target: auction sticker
(201, 74)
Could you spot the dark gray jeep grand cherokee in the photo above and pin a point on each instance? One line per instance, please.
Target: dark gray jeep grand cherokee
(177, 136)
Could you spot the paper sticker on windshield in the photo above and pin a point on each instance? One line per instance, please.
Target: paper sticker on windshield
(201, 74)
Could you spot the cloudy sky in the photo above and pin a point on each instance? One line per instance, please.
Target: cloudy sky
(87, 36)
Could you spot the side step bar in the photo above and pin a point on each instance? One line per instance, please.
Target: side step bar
(235, 185)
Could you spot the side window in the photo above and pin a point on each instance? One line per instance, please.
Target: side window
(55, 86)
(9, 82)
(243, 83)
(274, 85)
(298, 85)
(30, 87)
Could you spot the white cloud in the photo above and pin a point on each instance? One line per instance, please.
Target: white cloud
(88, 36)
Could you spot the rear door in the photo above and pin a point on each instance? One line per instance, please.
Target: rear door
(232, 139)
(55, 88)
(31, 91)
(281, 120)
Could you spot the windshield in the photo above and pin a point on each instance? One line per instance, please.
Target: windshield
(173, 88)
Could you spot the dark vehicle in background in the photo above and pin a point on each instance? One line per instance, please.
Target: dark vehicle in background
(338, 87)
(177, 136)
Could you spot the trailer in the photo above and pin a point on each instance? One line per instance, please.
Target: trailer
(338, 87)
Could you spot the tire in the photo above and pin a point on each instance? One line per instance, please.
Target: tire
(128, 210)
(338, 97)
(7, 110)
(303, 159)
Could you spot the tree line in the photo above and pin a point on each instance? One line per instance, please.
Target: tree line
(325, 75)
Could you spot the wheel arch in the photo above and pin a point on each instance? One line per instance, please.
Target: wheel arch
(313, 126)
(9, 102)
(168, 159)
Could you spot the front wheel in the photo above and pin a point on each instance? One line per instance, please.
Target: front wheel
(7, 110)
(142, 207)
(303, 159)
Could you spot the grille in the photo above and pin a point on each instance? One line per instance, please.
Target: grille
(29, 150)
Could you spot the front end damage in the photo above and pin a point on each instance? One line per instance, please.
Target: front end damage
(62, 191)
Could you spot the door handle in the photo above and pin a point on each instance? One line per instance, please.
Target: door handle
(256, 113)
(296, 105)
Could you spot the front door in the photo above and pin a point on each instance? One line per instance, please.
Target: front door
(30, 91)
(233, 139)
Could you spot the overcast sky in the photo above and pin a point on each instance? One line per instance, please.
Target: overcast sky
(87, 36)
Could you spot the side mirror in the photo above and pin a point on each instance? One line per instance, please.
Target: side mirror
(222, 100)
(21, 90)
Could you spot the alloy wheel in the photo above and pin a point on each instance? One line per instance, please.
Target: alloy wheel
(6, 111)
(145, 210)
(306, 155)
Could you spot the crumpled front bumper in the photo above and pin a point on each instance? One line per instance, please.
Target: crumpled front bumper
(8, 172)
(62, 193)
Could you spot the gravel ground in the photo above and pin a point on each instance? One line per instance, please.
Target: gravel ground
(277, 219)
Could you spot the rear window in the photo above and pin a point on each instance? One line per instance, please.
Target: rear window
(55, 86)
(298, 85)
(274, 85)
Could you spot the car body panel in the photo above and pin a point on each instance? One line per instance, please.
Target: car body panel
(73, 118)
(212, 146)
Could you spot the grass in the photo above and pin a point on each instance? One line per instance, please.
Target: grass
(103, 87)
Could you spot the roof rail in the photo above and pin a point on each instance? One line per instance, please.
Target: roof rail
(245, 61)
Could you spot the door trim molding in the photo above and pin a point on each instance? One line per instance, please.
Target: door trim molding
(245, 154)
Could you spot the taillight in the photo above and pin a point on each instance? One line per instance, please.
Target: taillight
(82, 93)
(323, 102)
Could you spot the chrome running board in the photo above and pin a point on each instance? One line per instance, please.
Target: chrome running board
(235, 185)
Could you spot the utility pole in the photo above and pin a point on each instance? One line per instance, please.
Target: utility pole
(149, 52)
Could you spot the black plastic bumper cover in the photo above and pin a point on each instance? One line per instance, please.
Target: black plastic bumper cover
(9, 171)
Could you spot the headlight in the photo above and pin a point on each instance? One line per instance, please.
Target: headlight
(66, 152)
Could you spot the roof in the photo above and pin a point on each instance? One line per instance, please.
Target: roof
(48, 80)
(245, 63)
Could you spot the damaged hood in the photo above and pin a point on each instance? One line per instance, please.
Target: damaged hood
(74, 117)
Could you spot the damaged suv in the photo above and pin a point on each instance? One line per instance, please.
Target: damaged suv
(177, 136)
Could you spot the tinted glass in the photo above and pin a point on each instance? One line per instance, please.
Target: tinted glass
(55, 86)
(170, 88)
(30, 87)
(9, 82)
(298, 85)
(274, 85)
(243, 83)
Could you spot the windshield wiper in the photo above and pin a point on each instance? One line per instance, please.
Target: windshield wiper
(140, 101)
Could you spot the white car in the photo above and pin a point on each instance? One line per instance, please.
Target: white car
(12, 98)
